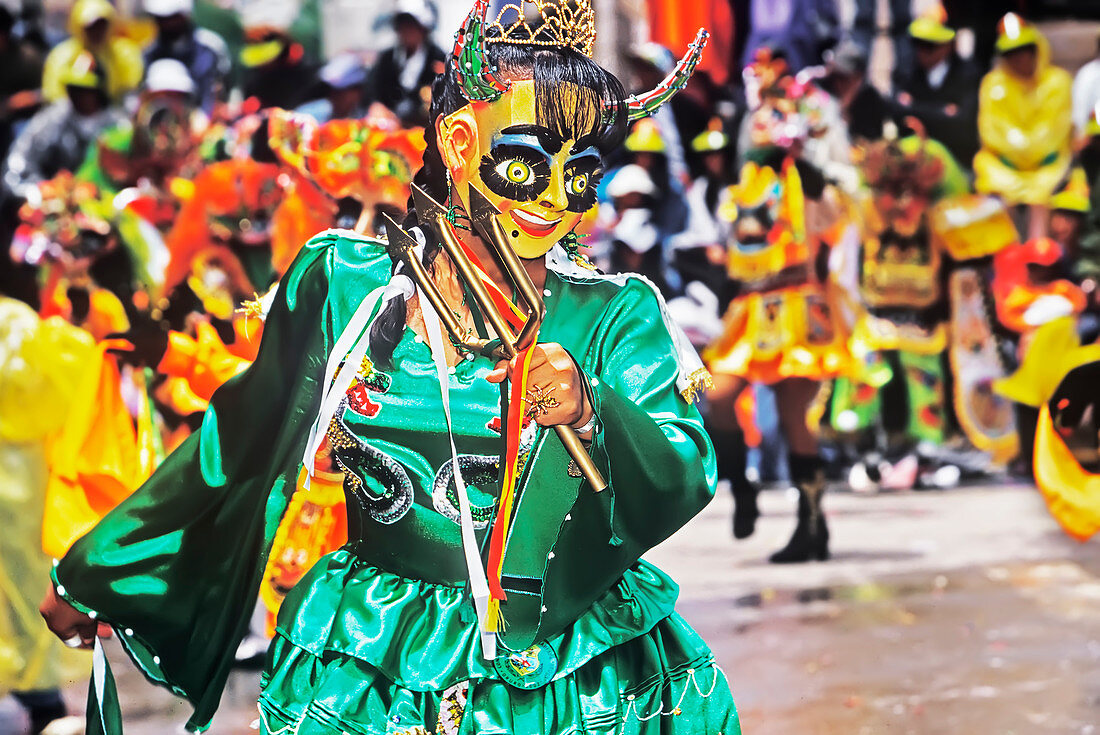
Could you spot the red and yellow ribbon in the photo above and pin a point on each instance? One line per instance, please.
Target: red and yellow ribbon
(513, 427)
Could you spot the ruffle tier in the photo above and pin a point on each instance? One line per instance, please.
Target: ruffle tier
(360, 651)
(664, 682)
(346, 606)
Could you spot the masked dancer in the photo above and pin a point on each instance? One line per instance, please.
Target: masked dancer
(501, 486)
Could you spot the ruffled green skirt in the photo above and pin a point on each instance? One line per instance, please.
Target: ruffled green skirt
(359, 651)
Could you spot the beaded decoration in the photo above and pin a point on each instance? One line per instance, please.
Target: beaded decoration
(559, 24)
(566, 24)
(631, 700)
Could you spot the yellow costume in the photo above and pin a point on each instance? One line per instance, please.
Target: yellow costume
(784, 323)
(1025, 126)
(119, 58)
(37, 362)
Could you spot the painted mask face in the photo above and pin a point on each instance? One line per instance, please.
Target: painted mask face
(541, 184)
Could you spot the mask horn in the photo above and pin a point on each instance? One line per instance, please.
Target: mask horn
(477, 77)
(640, 106)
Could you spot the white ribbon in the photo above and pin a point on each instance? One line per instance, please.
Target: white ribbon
(352, 345)
(99, 678)
(479, 584)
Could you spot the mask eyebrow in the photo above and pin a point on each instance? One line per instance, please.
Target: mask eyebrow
(550, 140)
(585, 142)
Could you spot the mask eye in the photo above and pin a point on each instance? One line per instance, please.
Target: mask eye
(578, 185)
(582, 176)
(516, 172)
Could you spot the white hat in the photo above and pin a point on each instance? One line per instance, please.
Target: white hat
(631, 179)
(422, 11)
(168, 75)
(165, 8)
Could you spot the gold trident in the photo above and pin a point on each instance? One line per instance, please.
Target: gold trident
(483, 215)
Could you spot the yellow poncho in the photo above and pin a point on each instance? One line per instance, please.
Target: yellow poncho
(1026, 132)
(119, 57)
(37, 362)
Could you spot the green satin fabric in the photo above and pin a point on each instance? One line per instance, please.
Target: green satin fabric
(176, 567)
(662, 683)
(346, 606)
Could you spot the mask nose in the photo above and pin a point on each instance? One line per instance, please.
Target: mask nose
(555, 197)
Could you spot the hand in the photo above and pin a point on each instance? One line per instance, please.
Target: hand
(951, 110)
(68, 623)
(905, 99)
(553, 372)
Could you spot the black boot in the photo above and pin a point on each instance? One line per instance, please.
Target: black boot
(732, 456)
(811, 536)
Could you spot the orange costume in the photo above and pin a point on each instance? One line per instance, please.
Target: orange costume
(784, 324)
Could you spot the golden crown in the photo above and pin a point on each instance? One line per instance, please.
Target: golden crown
(564, 24)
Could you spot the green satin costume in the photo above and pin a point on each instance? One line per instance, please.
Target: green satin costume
(380, 636)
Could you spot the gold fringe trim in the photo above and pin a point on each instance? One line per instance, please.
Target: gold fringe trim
(699, 381)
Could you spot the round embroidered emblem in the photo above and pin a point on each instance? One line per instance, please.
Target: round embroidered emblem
(530, 669)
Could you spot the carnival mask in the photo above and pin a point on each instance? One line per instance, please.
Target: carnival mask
(541, 183)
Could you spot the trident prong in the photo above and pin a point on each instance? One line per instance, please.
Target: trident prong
(402, 246)
(484, 216)
(433, 215)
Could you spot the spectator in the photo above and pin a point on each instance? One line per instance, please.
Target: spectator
(21, 80)
(1024, 121)
(861, 105)
(1088, 265)
(634, 233)
(713, 149)
(56, 139)
(1086, 90)
(402, 78)
(650, 64)
(278, 74)
(94, 28)
(203, 52)
(699, 250)
(344, 78)
(865, 27)
(940, 89)
(647, 147)
(1068, 209)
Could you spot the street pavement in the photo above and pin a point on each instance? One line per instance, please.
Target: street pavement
(961, 612)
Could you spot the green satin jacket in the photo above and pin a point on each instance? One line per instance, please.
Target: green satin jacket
(176, 567)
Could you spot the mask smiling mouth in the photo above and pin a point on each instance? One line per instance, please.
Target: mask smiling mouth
(533, 224)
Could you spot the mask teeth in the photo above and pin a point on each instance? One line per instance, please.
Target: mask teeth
(643, 105)
(477, 77)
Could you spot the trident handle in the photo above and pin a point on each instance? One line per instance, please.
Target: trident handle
(484, 217)
(434, 215)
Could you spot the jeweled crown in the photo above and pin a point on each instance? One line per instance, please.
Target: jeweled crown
(563, 24)
(557, 23)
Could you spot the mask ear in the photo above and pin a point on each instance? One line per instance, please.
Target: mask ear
(459, 144)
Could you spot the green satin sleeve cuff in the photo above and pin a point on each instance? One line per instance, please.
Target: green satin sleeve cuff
(657, 467)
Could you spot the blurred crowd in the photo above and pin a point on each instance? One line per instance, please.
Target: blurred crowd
(890, 276)
(161, 170)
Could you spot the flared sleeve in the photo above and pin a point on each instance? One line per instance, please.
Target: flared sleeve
(176, 567)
